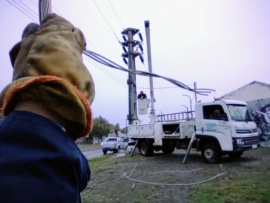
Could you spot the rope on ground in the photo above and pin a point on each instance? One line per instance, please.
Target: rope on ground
(44, 8)
(173, 184)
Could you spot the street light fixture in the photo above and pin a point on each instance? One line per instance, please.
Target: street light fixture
(190, 102)
(187, 113)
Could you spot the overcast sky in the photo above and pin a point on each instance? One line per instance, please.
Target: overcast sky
(219, 44)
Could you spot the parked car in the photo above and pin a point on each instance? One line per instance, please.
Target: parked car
(114, 144)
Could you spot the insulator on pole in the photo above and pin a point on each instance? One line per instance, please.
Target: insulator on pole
(124, 38)
(125, 50)
(141, 48)
(141, 57)
(124, 59)
(140, 35)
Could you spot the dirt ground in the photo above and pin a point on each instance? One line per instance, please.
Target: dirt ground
(164, 178)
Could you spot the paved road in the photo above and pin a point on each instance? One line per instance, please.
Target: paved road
(98, 152)
(93, 153)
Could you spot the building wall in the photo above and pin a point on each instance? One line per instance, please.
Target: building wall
(250, 92)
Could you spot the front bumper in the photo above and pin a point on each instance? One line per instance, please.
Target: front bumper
(246, 143)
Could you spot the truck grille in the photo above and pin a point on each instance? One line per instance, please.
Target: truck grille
(251, 140)
(246, 131)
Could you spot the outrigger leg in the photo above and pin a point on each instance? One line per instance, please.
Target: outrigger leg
(133, 150)
(189, 147)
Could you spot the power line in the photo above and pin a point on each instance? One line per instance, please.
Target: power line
(142, 78)
(31, 11)
(106, 21)
(107, 62)
(116, 15)
(35, 3)
(110, 74)
(23, 11)
(162, 101)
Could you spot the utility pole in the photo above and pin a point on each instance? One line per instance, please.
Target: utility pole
(147, 32)
(130, 43)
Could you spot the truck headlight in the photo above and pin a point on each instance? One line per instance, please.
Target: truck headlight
(240, 141)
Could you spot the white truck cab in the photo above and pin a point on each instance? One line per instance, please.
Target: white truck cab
(228, 124)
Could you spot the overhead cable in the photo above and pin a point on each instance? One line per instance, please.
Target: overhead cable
(23, 10)
(116, 15)
(106, 21)
(107, 62)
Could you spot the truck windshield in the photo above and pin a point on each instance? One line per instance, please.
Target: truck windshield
(239, 112)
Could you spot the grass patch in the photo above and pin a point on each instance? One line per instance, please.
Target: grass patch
(248, 186)
(246, 181)
(111, 186)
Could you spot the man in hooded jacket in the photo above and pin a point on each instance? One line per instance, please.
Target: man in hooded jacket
(45, 109)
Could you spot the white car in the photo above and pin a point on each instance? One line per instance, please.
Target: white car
(114, 144)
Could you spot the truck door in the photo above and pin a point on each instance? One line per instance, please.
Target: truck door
(215, 123)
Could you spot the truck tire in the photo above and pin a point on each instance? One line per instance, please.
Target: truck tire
(104, 152)
(211, 153)
(146, 149)
(168, 149)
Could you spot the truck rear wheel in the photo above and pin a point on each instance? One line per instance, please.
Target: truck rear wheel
(104, 151)
(211, 153)
(146, 149)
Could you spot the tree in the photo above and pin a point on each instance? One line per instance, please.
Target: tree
(124, 130)
(101, 127)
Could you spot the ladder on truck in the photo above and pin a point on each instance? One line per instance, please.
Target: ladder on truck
(181, 116)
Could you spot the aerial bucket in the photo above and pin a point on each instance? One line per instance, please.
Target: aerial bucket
(143, 105)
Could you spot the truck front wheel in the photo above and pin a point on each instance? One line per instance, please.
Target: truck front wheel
(211, 153)
(146, 149)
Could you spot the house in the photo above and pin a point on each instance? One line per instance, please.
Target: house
(250, 92)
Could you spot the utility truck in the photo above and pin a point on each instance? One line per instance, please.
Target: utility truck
(221, 127)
